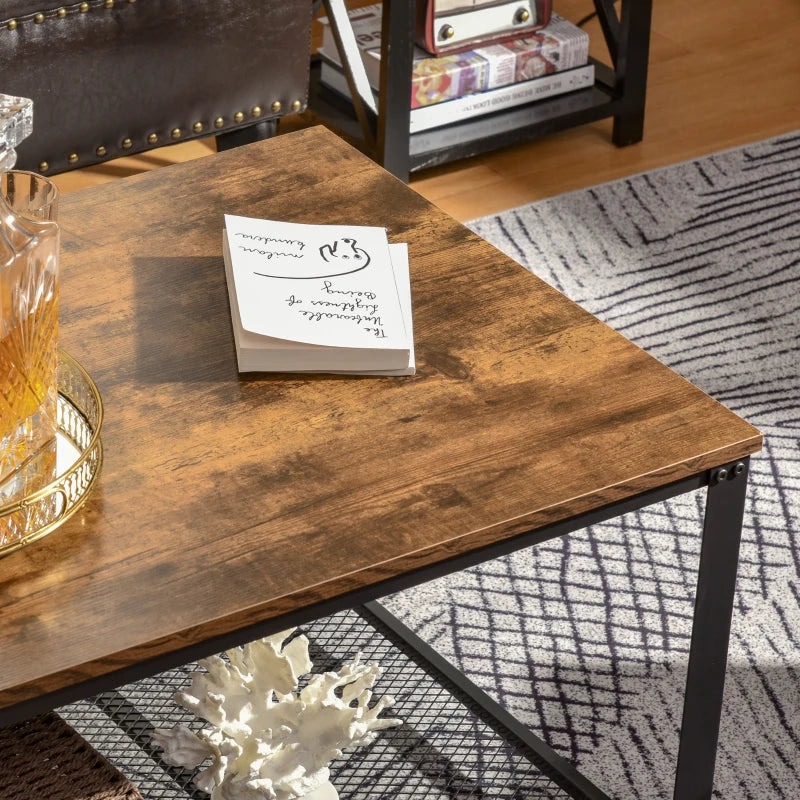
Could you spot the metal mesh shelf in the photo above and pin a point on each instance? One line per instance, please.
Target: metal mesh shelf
(444, 750)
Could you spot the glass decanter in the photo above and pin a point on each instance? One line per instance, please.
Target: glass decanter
(28, 333)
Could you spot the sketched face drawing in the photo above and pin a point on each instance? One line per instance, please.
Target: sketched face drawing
(346, 254)
(341, 257)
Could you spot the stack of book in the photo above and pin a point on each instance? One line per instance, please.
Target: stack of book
(450, 88)
(318, 298)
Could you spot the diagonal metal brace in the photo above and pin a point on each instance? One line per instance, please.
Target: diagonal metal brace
(353, 67)
(609, 22)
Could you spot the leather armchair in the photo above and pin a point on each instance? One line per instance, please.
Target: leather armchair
(116, 77)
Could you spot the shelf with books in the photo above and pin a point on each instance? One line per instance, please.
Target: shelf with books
(387, 129)
(466, 83)
(469, 83)
(476, 104)
(477, 135)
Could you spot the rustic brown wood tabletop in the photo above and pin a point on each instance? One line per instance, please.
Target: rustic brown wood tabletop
(226, 500)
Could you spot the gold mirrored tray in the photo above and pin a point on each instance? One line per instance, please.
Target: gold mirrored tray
(79, 456)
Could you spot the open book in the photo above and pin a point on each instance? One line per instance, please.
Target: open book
(318, 298)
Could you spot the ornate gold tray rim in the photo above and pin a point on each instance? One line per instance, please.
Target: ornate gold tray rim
(90, 455)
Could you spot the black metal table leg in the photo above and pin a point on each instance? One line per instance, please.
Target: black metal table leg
(630, 64)
(716, 583)
(397, 49)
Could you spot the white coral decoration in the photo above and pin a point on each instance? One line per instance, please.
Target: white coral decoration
(267, 741)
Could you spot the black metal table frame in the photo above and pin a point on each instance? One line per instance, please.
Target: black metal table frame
(719, 557)
(619, 91)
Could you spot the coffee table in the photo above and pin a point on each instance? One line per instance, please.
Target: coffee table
(231, 507)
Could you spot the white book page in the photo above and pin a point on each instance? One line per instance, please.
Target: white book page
(399, 255)
(330, 285)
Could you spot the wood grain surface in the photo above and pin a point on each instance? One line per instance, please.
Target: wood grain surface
(226, 499)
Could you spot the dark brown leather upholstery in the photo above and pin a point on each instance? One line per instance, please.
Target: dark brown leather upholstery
(114, 77)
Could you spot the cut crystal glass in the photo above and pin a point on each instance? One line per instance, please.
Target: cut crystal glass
(29, 241)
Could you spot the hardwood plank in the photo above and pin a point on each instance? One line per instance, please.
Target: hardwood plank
(713, 83)
(226, 499)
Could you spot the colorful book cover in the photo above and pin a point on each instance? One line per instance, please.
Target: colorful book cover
(543, 53)
(501, 65)
(532, 59)
(435, 80)
(559, 46)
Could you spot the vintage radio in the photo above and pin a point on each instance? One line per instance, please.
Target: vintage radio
(446, 26)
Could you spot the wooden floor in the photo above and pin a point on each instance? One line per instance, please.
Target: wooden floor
(722, 73)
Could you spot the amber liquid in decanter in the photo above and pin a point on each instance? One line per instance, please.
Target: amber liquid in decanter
(29, 242)
(28, 402)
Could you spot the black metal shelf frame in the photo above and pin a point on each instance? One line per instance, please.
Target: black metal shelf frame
(383, 125)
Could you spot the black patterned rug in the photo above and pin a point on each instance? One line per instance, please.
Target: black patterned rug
(698, 263)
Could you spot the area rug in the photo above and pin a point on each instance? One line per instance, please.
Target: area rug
(698, 263)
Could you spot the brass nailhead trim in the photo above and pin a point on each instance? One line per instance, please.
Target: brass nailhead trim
(219, 122)
(256, 111)
(175, 133)
(296, 105)
(276, 106)
(39, 17)
(127, 144)
(152, 138)
(72, 158)
(43, 166)
(197, 127)
(101, 151)
(238, 116)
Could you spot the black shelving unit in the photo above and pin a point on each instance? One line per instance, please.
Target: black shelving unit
(382, 128)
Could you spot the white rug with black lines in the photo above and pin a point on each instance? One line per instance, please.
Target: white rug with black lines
(699, 263)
